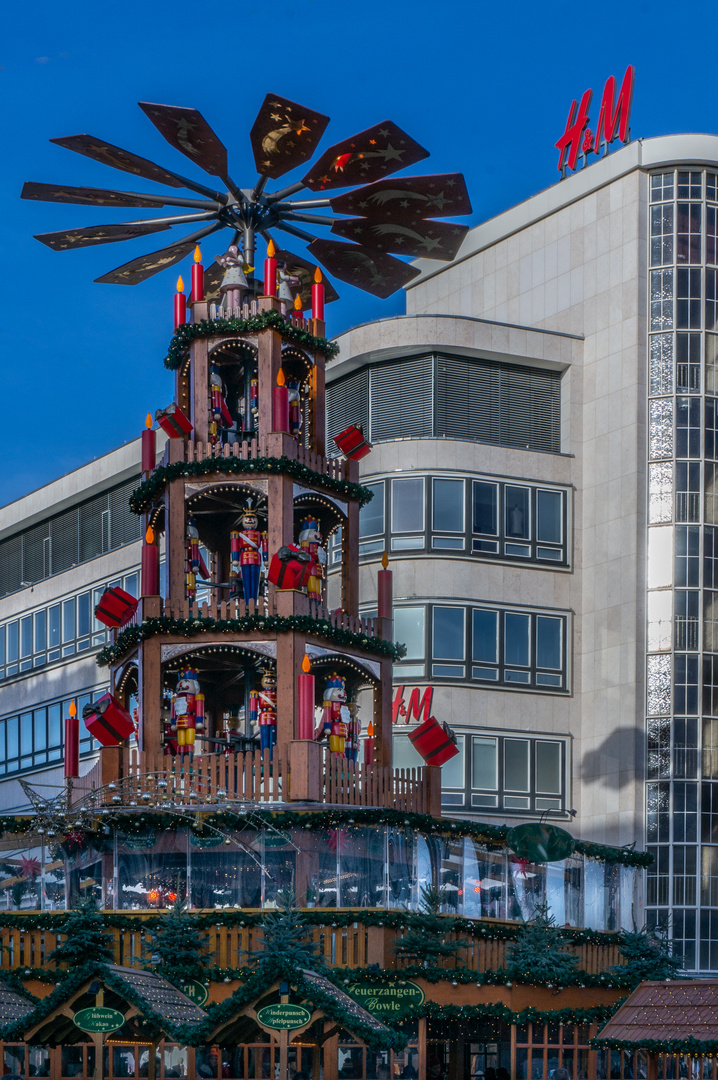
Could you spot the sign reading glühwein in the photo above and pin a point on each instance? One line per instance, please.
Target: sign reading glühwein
(613, 120)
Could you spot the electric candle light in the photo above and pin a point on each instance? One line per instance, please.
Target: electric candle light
(270, 271)
(297, 307)
(149, 446)
(369, 745)
(384, 590)
(305, 715)
(197, 277)
(150, 565)
(180, 304)
(280, 403)
(72, 742)
(318, 296)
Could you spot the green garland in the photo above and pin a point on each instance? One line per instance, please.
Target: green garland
(434, 1011)
(493, 836)
(303, 624)
(142, 497)
(660, 1046)
(185, 334)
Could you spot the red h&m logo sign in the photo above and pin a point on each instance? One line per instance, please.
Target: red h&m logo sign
(612, 121)
(416, 708)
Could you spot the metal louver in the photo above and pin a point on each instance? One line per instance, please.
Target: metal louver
(347, 403)
(402, 399)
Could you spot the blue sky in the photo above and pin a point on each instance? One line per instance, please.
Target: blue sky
(485, 87)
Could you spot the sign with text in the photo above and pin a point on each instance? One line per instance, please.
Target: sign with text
(417, 707)
(383, 999)
(283, 1017)
(98, 1019)
(196, 991)
(613, 121)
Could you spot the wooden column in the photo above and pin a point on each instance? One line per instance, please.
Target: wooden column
(175, 550)
(150, 694)
(318, 418)
(280, 512)
(269, 362)
(382, 715)
(290, 653)
(199, 389)
(422, 1049)
(350, 560)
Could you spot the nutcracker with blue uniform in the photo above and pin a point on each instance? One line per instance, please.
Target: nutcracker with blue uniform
(248, 554)
(263, 711)
(187, 713)
(334, 714)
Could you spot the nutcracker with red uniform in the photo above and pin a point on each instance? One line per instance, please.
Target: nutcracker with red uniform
(295, 406)
(187, 712)
(334, 714)
(263, 711)
(310, 540)
(351, 750)
(248, 548)
(221, 416)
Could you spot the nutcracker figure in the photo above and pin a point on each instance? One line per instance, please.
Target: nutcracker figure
(263, 711)
(254, 400)
(169, 739)
(286, 282)
(221, 416)
(334, 714)
(351, 751)
(187, 713)
(295, 407)
(252, 554)
(310, 540)
(195, 563)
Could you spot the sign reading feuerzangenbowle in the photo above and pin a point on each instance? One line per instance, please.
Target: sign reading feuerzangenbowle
(386, 998)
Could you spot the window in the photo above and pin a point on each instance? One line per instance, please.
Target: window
(447, 513)
(34, 738)
(371, 522)
(533, 522)
(449, 641)
(407, 513)
(409, 625)
(516, 773)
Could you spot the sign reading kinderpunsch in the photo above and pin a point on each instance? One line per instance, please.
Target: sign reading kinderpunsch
(386, 998)
(283, 1017)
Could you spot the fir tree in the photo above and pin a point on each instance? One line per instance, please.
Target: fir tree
(647, 954)
(286, 945)
(540, 954)
(428, 938)
(86, 938)
(177, 947)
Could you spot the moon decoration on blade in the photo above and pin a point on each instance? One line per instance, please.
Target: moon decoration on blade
(385, 216)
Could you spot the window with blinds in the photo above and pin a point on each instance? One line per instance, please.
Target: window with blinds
(74, 536)
(450, 397)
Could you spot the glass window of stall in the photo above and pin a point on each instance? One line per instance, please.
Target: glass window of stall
(484, 882)
(224, 875)
(400, 866)
(362, 879)
(152, 869)
(428, 860)
(527, 888)
(451, 876)
(279, 866)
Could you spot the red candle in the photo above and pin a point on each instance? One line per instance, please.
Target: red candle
(197, 277)
(297, 307)
(150, 565)
(270, 271)
(384, 590)
(318, 296)
(72, 742)
(180, 304)
(149, 446)
(369, 745)
(280, 404)
(305, 711)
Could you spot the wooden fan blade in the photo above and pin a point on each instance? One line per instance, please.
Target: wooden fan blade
(97, 234)
(188, 131)
(117, 158)
(137, 270)
(304, 270)
(89, 196)
(284, 135)
(370, 155)
(407, 198)
(420, 239)
(372, 271)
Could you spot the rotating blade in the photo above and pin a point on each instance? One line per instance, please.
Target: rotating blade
(137, 270)
(89, 196)
(365, 157)
(372, 271)
(188, 131)
(213, 275)
(304, 270)
(408, 198)
(96, 234)
(117, 158)
(284, 135)
(421, 239)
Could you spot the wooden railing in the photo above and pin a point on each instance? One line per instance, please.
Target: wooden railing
(266, 605)
(248, 448)
(250, 777)
(353, 946)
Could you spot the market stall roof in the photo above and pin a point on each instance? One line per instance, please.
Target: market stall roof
(677, 1015)
(151, 1005)
(13, 1005)
(324, 1000)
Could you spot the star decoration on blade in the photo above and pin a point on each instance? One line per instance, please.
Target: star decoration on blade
(384, 216)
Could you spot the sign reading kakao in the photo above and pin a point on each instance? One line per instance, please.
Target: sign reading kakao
(613, 120)
(382, 999)
(98, 1019)
(283, 1017)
